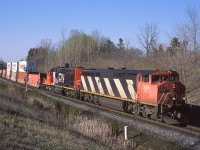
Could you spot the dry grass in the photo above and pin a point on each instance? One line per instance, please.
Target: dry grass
(22, 128)
(100, 130)
(29, 120)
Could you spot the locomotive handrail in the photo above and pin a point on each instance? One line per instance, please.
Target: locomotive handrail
(164, 101)
(166, 94)
(161, 97)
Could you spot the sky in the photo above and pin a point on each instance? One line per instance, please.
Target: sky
(24, 23)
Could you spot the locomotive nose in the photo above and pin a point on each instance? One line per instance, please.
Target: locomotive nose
(179, 91)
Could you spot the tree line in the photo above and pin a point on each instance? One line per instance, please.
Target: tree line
(182, 53)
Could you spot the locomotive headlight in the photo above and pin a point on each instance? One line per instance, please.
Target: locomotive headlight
(174, 98)
(173, 86)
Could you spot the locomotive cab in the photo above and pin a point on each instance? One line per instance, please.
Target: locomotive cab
(163, 90)
(169, 86)
(152, 87)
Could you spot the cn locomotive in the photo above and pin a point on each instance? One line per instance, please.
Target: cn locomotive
(153, 94)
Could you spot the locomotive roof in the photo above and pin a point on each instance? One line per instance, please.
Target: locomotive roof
(62, 68)
(143, 72)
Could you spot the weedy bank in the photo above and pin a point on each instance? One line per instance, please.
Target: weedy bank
(29, 120)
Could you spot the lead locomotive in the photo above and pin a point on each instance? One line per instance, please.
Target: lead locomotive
(154, 94)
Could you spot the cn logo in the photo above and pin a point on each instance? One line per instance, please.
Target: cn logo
(145, 88)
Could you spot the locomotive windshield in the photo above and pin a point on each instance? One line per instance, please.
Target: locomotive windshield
(156, 78)
(174, 78)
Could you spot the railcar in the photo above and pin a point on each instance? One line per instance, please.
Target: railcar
(21, 77)
(21, 72)
(14, 71)
(8, 70)
(36, 79)
(4, 73)
(64, 80)
(154, 94)
(2, 69)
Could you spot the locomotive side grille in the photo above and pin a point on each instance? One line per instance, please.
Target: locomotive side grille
(118, 87)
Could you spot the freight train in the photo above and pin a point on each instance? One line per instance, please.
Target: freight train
(153, 94)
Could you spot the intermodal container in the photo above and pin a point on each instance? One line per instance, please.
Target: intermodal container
(14, 71)
(4, 73)
(8, 71)
(21, 77)
(36, 79)
(1, 71)
(22, 66)
(31, 66)
(33, 79)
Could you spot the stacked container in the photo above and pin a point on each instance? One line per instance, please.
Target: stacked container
(14, 71)
(8, 70)
(22, 71)
(4, 73)
(36, 79)
(31, 66)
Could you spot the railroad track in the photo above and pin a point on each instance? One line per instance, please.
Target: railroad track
(190, 130)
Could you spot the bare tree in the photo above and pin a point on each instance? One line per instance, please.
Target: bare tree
(193, 26)
(63, 53)
(148, 37)
(185, 59)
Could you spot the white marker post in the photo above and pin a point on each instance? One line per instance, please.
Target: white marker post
(125, 132)
(25, 69)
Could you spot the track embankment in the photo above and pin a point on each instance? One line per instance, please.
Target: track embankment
(140, 131)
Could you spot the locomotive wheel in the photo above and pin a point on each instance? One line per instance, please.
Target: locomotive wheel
(86, 97)
(95, 100)
(74, 94)
(52, 88)
(90, 98)
(125, 106)
(134, 109)
(82, 96)
(67, 93)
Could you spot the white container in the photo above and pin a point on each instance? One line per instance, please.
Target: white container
(14, 71)
(8, 70)
(22, 66)
(14, 66)
(9, 66)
